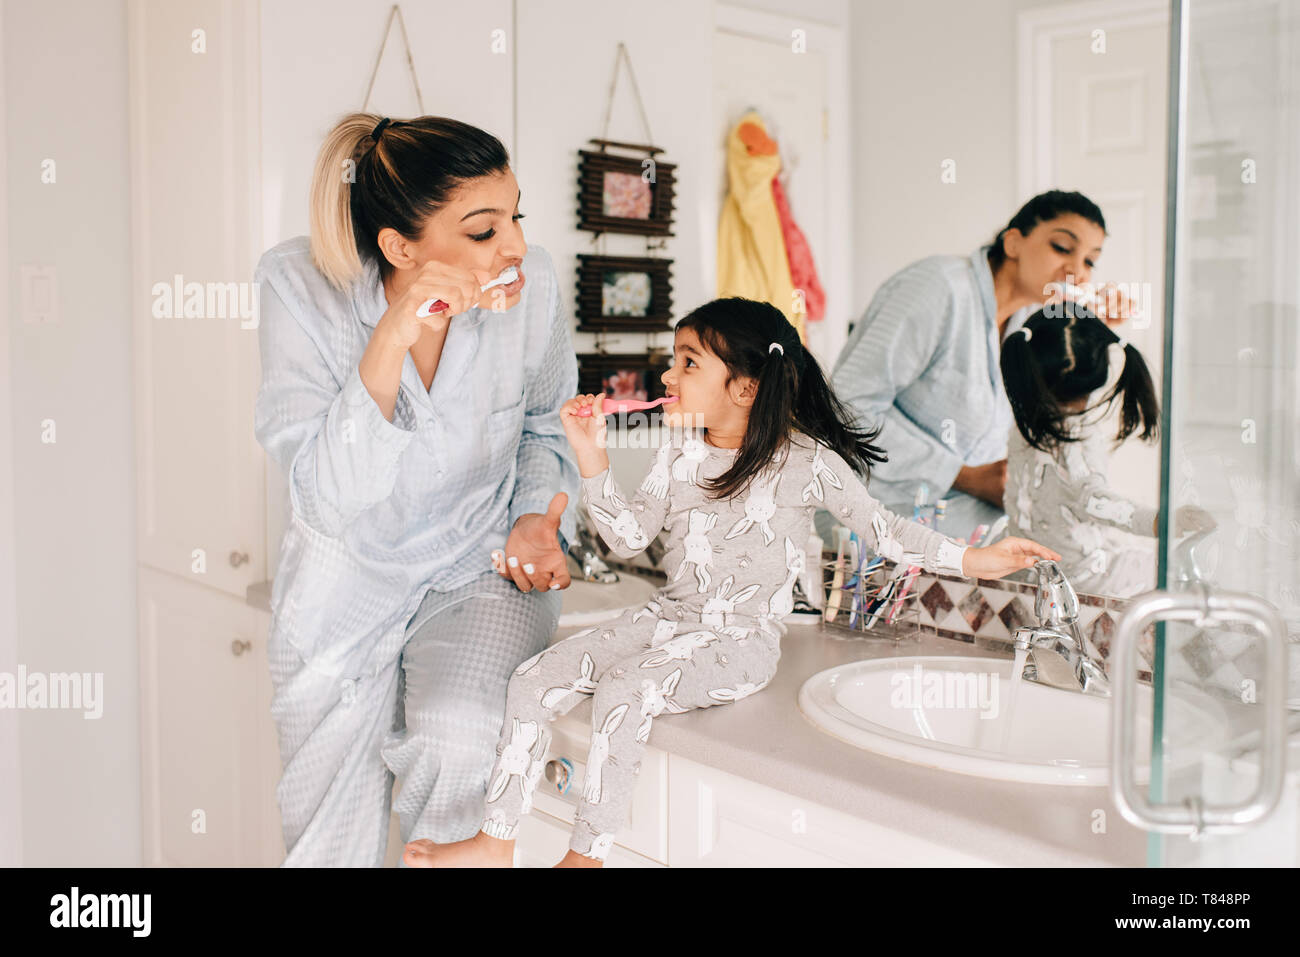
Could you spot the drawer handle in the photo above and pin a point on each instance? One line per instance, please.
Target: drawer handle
(238, 647)
(559, 771)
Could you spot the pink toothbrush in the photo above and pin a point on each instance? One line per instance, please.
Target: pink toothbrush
(626, 405)
(508, 275)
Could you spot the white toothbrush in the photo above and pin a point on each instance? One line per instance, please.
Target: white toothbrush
(508, 275)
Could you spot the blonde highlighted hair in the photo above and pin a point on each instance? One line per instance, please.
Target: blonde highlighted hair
(361, 185)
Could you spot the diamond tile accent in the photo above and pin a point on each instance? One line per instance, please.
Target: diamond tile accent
(975, 610)
(1100, 632)
(936, 601)
(1016, 614)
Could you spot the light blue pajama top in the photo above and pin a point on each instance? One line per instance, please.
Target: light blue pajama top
(383, 511)
(924, 360)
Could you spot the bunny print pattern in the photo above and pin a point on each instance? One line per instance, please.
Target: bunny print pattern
(633, 669)
(753, 542)
(710, 636)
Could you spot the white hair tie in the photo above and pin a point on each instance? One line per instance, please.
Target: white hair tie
(777, 346)
(1029, 333)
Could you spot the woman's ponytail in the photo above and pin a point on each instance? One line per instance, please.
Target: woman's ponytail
(362, 184)
(333, 244)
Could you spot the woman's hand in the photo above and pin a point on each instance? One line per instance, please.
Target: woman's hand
(1112, 305)
(1003, 557)
(533, 557)
(459, 288)
(987, 482)
(1191, 518)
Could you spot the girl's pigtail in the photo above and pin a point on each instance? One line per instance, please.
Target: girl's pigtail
(1140, 406)
(818, 412)
(1039, 417)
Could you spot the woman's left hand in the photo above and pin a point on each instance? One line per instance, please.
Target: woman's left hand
(533, 557)
(1003, 557)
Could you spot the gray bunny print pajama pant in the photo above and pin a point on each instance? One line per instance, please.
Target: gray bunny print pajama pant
(636, 667)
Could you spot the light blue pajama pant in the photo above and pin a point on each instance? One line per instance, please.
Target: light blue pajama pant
(430, 720)
(636, 667)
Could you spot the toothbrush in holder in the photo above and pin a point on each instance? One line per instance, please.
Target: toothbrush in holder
(429, 307)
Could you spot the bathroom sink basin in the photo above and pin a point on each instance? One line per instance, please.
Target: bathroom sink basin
(929, 710)
(587, 603)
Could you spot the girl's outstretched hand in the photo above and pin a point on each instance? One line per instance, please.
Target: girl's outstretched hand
(1003, 557)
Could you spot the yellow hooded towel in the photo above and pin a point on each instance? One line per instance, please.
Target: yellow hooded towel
(751, 248)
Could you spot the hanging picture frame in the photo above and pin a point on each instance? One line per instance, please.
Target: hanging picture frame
(625, 194)
(623, 294)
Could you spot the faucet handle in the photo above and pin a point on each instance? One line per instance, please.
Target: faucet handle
(1055, 602)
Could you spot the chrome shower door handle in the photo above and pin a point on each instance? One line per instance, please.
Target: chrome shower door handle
(1201, 606)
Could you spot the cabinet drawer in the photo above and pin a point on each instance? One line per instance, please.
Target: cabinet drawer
(646, 828)
(721, 820)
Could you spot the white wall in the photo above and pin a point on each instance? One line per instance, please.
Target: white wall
(74, 501)
(932, 80)
(317, 58)
(11, 833)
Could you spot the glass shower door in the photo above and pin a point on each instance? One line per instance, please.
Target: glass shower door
(1225, 759)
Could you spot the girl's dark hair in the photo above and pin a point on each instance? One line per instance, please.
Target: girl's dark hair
(362, 184)
(792, 390)
(1065, 359)
(1041, 208)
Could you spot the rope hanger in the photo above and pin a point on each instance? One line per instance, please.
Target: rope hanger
(621, 57)
(410, 62)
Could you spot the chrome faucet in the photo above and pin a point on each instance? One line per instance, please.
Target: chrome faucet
(1060, 655)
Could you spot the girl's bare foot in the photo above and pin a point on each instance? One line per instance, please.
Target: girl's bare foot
(481, 850)
(574, 859)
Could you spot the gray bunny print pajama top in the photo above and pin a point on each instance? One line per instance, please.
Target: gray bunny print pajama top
(710, 636)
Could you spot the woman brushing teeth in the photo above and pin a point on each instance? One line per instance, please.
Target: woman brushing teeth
(421, 449)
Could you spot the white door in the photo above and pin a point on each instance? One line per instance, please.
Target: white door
(201, 474)
(756, 66)
(1094, 97)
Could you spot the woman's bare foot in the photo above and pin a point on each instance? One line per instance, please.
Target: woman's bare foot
(481, 850)
(574, 859)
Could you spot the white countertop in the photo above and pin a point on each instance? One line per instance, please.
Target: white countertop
(766, 738)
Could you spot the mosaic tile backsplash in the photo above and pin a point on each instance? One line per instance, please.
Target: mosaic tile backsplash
(990, 610)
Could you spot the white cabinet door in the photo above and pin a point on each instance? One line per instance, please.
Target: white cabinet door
(195, 207)
(208, 752)
(721, 820)
(542, 841)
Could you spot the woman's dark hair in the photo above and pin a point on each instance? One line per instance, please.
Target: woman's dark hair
(362, 184)
(792, 390)
(1041, 208)
(1064, 359)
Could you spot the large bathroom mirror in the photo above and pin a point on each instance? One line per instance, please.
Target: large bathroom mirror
(954, 134)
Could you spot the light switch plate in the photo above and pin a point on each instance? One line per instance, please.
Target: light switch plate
(40, 294)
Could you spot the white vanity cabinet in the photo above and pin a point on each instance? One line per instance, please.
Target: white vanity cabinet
(687, 814)
(210, 759)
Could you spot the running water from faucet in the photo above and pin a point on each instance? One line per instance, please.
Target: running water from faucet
(1022, 655)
